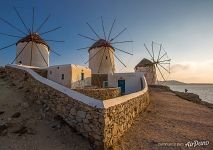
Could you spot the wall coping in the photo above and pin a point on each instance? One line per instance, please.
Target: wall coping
(71, 93)
(78, 96)
(121, 99)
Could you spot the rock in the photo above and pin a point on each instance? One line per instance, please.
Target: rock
(16, 115)
(12, 84)
(87, 128)
(81, 114)
(107, 120)
(97, 137)
(3, 76)
(9, 119)
(21, 87)
(86, 121)
(115, 129)
(25, 105)
(56, 126)
(88, 116)
(79, 119)
(73, 111)
(38, 102)
(1, 112)
(3, 129)
(22, 130)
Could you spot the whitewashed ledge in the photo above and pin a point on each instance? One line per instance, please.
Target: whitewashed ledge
(118, 100)
(78, 96)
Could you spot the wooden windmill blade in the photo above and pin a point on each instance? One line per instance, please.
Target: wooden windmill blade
(43, 23)
(102, 23)
(111, 30)
(18, 14)
(87, 37)
(12, 26)
(10, 35)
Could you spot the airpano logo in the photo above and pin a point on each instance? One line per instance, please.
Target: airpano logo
(196, 143)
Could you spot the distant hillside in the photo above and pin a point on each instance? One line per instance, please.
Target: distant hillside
(171, 82)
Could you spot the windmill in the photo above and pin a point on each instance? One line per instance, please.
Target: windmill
(103, 52)
(157, 68)
(31, 48)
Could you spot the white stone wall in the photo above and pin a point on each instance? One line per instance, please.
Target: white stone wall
(133, 81)
(72, 75)
(37, 59)
(54, 73)
(105, 65)
(76, 81)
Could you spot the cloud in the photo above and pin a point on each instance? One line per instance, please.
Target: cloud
(178, 67)
(199, 72)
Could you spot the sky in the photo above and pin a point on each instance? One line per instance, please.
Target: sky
(183, 27)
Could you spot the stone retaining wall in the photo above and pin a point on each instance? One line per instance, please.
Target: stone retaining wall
(103, 122)
(41, 72)
(100, 93)
(84, 118)
(119, 118)
(98, 79)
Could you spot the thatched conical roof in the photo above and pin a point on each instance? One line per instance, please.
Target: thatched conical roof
(33, 37)
(101, 43)
(144, 63)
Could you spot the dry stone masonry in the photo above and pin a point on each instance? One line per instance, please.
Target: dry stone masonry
(100, 93)
(103, 122)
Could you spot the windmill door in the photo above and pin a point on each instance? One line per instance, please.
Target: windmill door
(121, 84)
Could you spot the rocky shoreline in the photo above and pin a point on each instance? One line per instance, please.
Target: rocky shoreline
(186, 96)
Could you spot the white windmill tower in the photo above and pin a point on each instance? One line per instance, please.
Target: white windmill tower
(102, 53)
(31, 49)
(35, 51)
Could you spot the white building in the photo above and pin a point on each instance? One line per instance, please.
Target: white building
(70, 75)
(101, 57)
(149, 70)
(32, 50)
(128, 82)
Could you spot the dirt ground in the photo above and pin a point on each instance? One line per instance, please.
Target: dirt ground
(26, 128)
(169, 123)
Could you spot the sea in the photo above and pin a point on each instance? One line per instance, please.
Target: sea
(205, 91)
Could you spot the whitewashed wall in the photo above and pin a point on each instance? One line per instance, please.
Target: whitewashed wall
(72, 75)
(37, 60)
(132, 81)
(76, 81)
(55, 74)
(107, 64)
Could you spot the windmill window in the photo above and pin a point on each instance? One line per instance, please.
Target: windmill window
(82, 76)
(106, 57)
(20, 62)
(62, 77)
